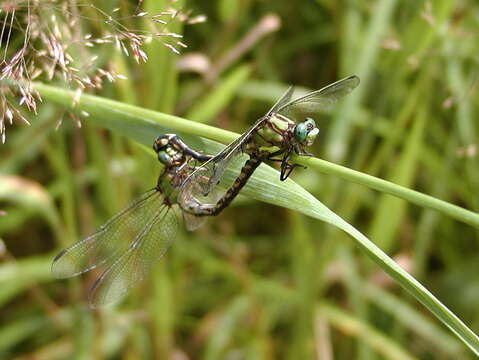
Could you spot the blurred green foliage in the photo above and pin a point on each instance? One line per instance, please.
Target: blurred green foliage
(258, 281)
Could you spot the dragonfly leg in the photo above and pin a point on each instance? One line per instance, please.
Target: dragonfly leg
(300, 151)
(304, 153)
(287, 167)
(276, 153)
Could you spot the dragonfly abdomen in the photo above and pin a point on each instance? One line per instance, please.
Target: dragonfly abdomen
(247, 170)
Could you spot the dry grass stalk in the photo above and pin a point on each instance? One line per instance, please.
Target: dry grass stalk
(54, 46)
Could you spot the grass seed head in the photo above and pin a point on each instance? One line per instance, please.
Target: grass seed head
(52, 47)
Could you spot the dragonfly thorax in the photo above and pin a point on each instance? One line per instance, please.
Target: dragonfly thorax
(277, 131)
(281, 132)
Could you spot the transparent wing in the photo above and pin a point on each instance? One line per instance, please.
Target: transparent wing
(135, 263)
(283, 100)
(111, 239)
(312, 103)
(223, 159)
(193, 222)
(206, 176)
(195, 193)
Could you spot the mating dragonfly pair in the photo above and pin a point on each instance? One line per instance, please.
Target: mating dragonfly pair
(133, 240)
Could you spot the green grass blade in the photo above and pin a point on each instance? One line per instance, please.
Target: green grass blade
(357, 328)
(390, 211)
(211, 104)
(341, 129)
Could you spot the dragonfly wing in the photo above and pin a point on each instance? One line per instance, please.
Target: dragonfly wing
(194, 194)
(204, 179)
(193, 222)
(283, 100)
(135, 263)
(322, 99)
(223, 159)
(111, 239)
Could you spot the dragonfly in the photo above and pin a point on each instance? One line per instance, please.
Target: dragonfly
(287, 128)
(129, 243)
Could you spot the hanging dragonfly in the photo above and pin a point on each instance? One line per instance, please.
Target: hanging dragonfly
(286, 129)
(132, 241)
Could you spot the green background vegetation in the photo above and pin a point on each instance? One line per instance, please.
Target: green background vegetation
(261, 281)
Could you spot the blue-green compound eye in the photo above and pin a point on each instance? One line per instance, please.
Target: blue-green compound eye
(301, 131)
(164, 157)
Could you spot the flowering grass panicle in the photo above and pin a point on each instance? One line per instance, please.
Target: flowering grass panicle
(52, 40)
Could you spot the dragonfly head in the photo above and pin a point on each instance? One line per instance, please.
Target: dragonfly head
(162, 142)
(161, 146)
(305, 132)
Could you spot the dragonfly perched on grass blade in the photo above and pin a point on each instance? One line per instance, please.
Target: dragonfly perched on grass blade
(286, 129)
(132, 241)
